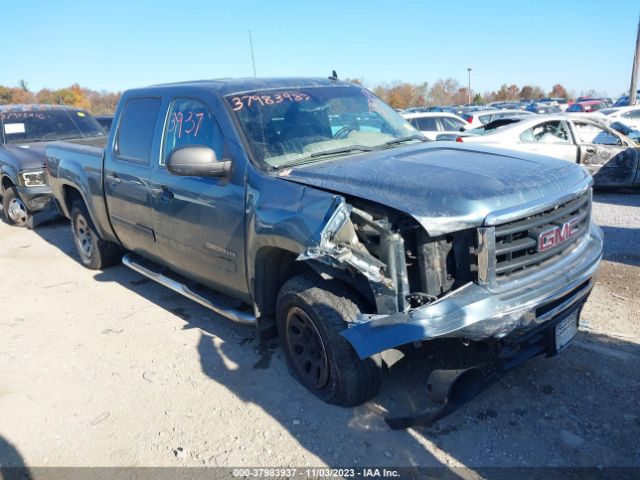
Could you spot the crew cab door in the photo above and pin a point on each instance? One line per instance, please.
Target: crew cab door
(606, 156)
(127, 170)
(199, 222)
(550, 138)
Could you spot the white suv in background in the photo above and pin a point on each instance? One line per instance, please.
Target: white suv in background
(431, 124)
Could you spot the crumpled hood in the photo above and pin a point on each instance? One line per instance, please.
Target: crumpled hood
(27, 156)
(446, 187)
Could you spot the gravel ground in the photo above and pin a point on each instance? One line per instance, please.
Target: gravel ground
(110, 369)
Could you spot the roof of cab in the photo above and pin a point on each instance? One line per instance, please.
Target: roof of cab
(226, 86)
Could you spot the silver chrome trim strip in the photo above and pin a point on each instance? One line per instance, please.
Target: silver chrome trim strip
(531, 208)
(568, 302)
(230, 313)
(486, 255)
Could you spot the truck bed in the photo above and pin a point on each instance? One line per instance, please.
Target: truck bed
(78, 164)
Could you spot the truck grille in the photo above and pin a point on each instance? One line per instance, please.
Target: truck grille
(529, 242)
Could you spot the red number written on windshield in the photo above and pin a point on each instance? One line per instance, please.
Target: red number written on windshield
(238, 103)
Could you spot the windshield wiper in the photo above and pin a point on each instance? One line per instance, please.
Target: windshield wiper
(326, 153)
(408, 138)
(335, 151)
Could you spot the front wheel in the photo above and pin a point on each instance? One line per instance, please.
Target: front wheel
(95, 253)
(310, 315)
(15, 211)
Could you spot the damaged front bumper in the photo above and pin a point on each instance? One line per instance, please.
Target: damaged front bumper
(478, 312)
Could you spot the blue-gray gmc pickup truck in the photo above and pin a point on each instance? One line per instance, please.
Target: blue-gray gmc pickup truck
(311, 208)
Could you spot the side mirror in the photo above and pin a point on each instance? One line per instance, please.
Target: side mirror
(197, 162)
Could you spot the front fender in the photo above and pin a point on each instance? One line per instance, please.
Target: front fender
(285, 215)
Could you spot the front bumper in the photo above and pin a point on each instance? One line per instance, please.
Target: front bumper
(477, 312)
(36, 198)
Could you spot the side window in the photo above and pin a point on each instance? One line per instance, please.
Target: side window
(632, 114)
(592, 134)
(527, 136)
(485, 118)
(451, 124)
(190, 122)
(135, 131)
(550, 132)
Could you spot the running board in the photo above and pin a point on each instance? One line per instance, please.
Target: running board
(233, 314)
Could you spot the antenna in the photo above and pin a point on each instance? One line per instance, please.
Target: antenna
(253, 58)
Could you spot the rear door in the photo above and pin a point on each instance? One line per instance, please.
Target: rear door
(609, 160)
(127, 170)
(199, 222)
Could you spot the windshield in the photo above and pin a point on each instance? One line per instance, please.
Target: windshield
(46, 125)
(293, 126)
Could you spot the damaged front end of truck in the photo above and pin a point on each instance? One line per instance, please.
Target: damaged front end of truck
(512, 280)
(476, 283)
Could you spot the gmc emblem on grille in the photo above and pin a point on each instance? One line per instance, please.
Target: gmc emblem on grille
(556, 235)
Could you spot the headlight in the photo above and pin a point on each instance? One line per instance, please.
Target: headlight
(34, 179)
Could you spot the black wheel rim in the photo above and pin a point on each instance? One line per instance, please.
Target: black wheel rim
(306, 349)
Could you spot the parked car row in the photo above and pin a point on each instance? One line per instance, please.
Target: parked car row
(312, 210)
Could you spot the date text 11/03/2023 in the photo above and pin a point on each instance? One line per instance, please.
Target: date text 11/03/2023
(315, 473)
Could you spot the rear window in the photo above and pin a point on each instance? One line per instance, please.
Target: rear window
(48, 125)
(135, 130)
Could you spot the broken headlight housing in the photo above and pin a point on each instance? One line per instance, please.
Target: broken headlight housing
(34, 178)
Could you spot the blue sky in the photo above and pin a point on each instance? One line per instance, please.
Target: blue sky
(115, 45)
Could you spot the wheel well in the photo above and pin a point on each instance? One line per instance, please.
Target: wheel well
(275, 266)
(6, 183)
(70, 195)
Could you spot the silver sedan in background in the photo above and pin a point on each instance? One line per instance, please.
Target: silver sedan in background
(610, 157)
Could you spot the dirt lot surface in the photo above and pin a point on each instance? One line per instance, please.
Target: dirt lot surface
(110, 369)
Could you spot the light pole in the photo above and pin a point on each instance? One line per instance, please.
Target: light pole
(469, 88)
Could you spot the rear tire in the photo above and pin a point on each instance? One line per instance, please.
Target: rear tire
(310, 314)
(14, 209)
(95, 253)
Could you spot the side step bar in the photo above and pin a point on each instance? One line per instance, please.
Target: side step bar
(233, 314)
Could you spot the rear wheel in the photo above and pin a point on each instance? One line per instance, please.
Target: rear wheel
(311, 313)
(15, 211)
(95, 253)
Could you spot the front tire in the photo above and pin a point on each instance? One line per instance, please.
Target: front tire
(15, 211)
(311, 313)
(94, 252)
